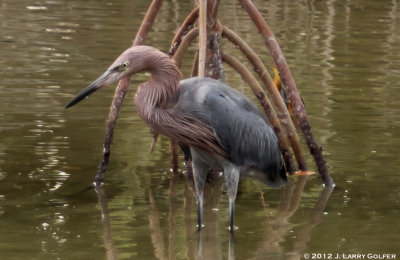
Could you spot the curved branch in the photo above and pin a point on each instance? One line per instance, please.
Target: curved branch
(283, 68)
(283, 113)
(187, 23)
(120, 92)
(147, 22)
(265, 103)
(195, 65)
(186, 41)
(116, 104)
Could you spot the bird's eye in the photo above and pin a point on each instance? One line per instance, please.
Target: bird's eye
(124, 66)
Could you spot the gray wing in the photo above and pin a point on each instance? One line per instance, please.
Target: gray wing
(242, 130)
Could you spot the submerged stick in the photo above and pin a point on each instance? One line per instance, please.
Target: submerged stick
(265, 103)
(120, 92)
(282, 111)
(116, 104)
(294, 96)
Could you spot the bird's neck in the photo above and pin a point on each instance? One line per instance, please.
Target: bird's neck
(161, 91)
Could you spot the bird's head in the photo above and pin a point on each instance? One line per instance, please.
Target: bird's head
(128, 63)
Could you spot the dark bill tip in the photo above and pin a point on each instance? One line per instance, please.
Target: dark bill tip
(83, 94)
(98, 83)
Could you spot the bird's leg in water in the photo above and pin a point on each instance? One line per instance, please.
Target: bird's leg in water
(232, 173)
(200, 176)
(200, 210)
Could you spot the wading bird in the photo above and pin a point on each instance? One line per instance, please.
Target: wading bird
(222, 128)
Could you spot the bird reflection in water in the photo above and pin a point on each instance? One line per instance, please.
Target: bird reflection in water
(206, 243)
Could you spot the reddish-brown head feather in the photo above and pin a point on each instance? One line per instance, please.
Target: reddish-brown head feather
(155, 100)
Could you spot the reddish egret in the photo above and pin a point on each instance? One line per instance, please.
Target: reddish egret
(222, 128)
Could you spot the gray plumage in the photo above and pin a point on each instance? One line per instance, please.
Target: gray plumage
(245, 135)
(217, 126)
(243, 132)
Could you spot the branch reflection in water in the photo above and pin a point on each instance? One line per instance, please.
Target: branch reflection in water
(206, 244)
(105, 217)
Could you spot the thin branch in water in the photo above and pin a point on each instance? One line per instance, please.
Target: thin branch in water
(118, 99)
(119, 94)
(154, 141)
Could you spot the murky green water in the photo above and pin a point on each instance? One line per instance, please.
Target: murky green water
(345, 57)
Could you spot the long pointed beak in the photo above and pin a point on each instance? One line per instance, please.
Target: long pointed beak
(103, 80)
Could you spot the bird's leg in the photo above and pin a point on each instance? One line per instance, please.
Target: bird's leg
(200, 175)
(232, 173)
(200, 210)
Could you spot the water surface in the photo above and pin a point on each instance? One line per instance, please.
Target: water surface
(344, 56)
